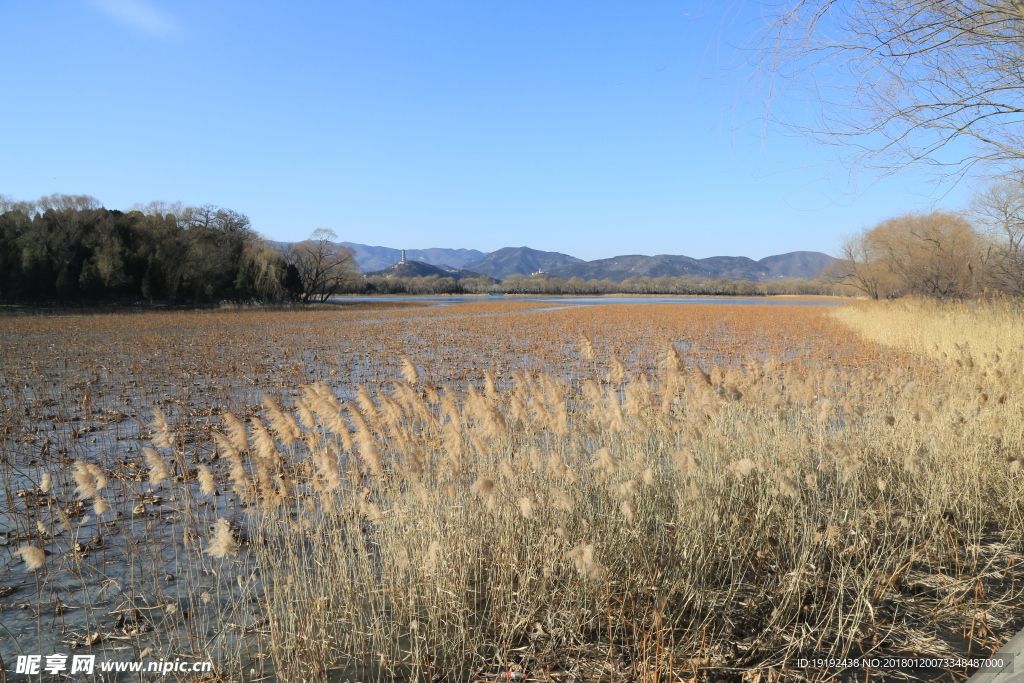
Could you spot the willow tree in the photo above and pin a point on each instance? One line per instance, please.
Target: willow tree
(938, 254)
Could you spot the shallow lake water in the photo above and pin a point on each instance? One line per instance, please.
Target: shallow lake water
(84, 387)
(566, 301)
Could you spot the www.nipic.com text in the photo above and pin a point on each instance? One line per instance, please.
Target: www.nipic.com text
(87, 664)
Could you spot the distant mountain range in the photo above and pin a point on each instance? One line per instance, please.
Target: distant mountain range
(506, 262)
(802, 264)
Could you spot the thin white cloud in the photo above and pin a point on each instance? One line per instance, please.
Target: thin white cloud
(139, 15)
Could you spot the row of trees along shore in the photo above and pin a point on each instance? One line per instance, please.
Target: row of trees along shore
(549, 284)
(69, 248)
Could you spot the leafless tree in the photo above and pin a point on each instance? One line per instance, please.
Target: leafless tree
(903, 81)
(938, 254)
(859, 264)
(213, 217)
(159, 208)
(999, 209)
(9, 203)
(324, 267)
(68, 203)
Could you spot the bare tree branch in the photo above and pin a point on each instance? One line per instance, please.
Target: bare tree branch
(899, 82)
(324, 267)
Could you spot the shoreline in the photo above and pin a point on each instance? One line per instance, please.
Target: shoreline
(142, 307)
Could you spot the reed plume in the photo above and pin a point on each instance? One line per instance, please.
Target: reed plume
(518, 411)
(617, 371)
(236, 473)
(454, 445)
(703, 378)
(367, 407)
(281, 423)
(582, 557)
(85, 480)
(556, 465)
(236, 431)
(222, 544)
(412, 376)
(560, 500)
(157, 467)
(162, 436)
(370, 510)
(205, 477)
(99, 505)
(327, 467)
(33, 557)
(328, 411)
(393, 416)
(507, 471)
(626, 508)
(604, 460)
(367, 444)
(325, 393)
(787, 486)
(97, 475)
(306, 416)
(612, 413)
(431, 556)
(483, 486)
(586, 348)
(266, 447)
(670, 363)
(742, 468)
(637, 401)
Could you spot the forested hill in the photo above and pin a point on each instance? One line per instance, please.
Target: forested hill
(420, 269)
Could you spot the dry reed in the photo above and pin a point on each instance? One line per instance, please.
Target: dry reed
(767, 486)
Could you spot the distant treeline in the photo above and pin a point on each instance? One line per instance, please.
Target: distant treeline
(547, 284)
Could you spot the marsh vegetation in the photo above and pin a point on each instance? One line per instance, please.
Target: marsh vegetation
(601, 493)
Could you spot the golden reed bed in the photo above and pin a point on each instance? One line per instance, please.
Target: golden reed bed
(627, 492)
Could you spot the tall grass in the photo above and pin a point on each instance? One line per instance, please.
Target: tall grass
(938, 328)
(727, 521)
(711, 491)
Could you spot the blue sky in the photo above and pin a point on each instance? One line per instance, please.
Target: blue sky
(590, 128)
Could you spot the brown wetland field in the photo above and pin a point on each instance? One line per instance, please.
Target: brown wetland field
(500, 491)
